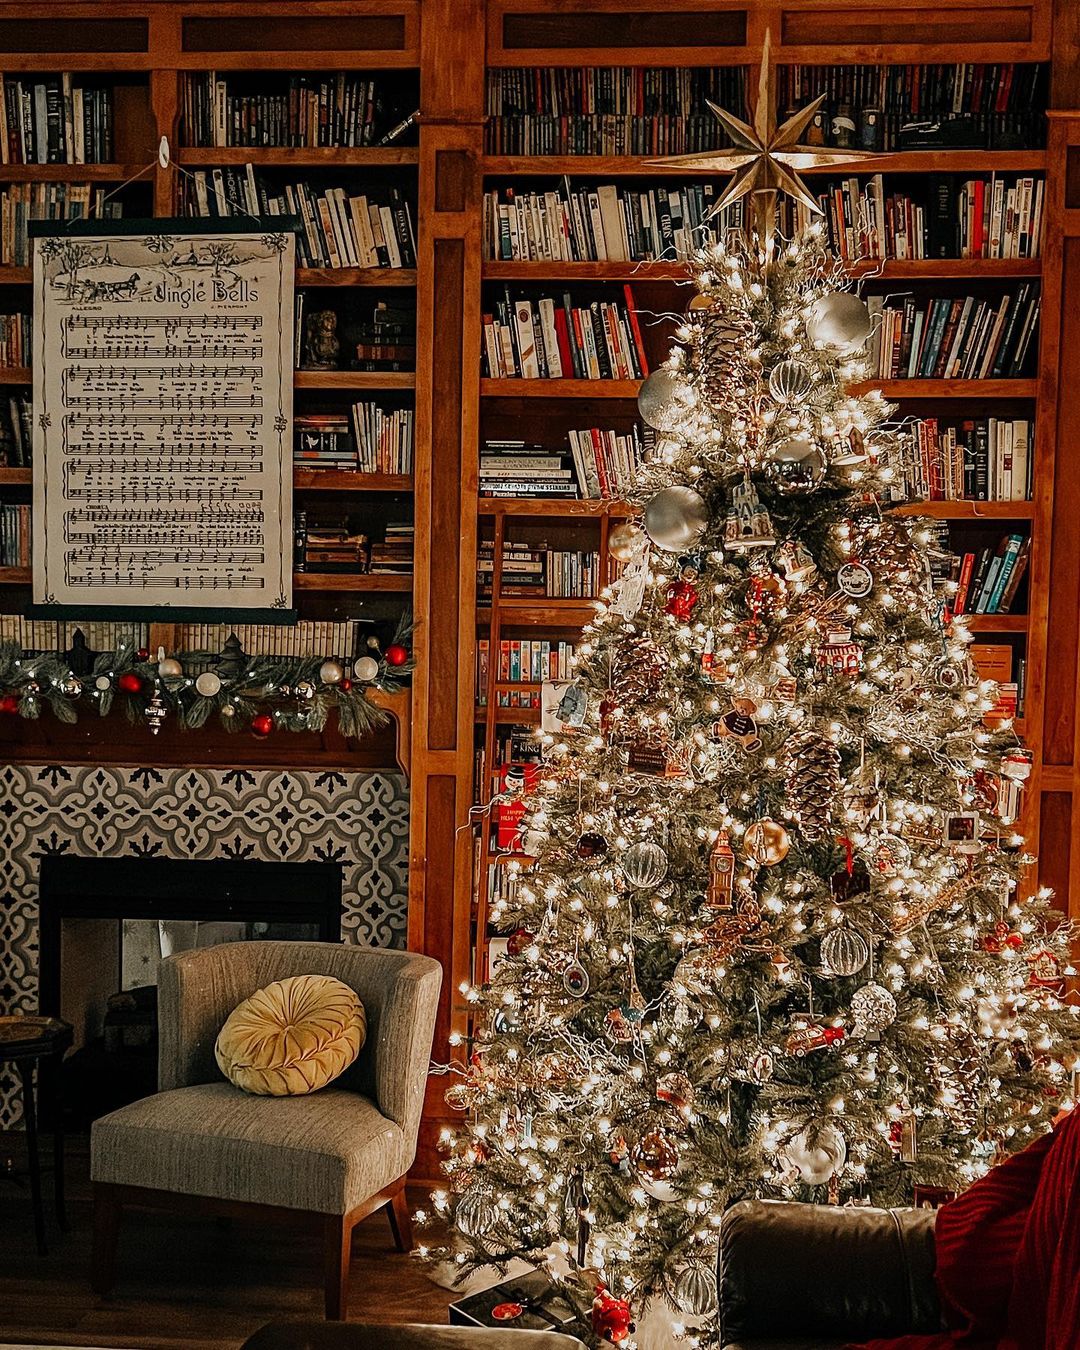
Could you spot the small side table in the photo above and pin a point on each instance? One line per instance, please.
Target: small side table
(29, 1041)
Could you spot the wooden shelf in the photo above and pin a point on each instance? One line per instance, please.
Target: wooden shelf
(996, 623)
(554, 613)
(15, 576)
(928, 269)
(637, 166)
(544, 506)
(922, 389)
(345, 480)
(15, 375)
(345, 581)
(354, 379)
(510, 716)
(298, 156)
(356, 276)
(967, 510)
(15, 476)
(75, 173)
(621, 389)
(16, 276)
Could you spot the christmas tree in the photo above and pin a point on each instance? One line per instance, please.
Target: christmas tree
(775, 933)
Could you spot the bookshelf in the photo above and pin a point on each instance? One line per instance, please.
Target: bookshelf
(445, 49)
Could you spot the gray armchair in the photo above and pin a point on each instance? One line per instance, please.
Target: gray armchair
(203, 1146)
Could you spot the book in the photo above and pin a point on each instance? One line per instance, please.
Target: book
(598, 341)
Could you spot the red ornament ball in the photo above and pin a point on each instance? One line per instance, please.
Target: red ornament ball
(396, 654)
(611, 1316)
(143, 654)
(130, 683)
(9, 703)
(518, 940)
(262, 724)
(345, 684)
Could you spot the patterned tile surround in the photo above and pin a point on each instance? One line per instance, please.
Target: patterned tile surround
(358, 819)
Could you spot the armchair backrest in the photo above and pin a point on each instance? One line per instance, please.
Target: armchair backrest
(879, 1264)
(198, 989)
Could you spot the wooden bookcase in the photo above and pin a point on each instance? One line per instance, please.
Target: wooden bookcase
(449, 46)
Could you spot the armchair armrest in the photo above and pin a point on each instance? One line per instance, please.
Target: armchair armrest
(879, 1264)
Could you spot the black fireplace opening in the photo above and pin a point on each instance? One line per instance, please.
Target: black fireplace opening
(89, 908)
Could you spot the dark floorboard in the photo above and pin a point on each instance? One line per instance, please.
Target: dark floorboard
(186, 1282)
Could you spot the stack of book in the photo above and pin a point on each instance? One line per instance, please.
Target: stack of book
(961, 337)
(285, 640)
(994, 661)
(535, 570)
(49, 635)
(22, 202)
(384, 438)
(607, 461)
(331, 547)
(14, 340)
(917, 106)
(15, 534)
(517, 469)
(522, 661)
(394, 556)
(51, 120)
(550, 339)
(323, 441)
(387, 340)
(310, 110)
(979, 218)
(986, 459)
(338, 230)
(989, 578)
(16, 431)
(611, 110)
(605, 223)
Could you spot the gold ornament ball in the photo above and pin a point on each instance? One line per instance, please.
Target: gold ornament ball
(700, 301)
(170, 668)
(766, 842)
(624, 540)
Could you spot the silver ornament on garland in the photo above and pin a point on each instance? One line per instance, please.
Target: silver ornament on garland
(844, 952)
(305, 691)
(624, 540)
(331, 672)
(156, 712)
(873, 1009)
(208, 683)
(169, 667)
(365, 668)
(675, 518)
(71, 687)
(662, 400)
(789, 381)
(817, 1153)
(644, 864)
(102, 683)
(695, 1290)
(840, 322)
(796, 465)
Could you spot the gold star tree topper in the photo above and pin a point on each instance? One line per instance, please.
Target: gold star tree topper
(766, 159)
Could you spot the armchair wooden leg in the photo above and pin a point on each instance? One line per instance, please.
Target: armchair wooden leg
(400, 1221)
(107, 1212)
(338, 1240)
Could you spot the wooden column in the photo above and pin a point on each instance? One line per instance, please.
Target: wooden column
(447, 411)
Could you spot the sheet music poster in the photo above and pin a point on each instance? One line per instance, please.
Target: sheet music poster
(163, 418)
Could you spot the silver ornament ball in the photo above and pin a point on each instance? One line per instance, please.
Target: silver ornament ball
(796, 465)
(840, 322)
(331, 672)
(208, 683)
(789, 381)
(675, 518)
(817, 1153)
(365, 668)
(662, 400)
(695, 1290)
(644, 864)
(475, 1212)
(873, 1008)
(844, 952)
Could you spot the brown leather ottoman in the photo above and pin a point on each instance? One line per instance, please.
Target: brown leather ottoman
(360, 1336)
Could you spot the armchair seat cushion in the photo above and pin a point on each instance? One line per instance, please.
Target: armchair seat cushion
(326, 1152)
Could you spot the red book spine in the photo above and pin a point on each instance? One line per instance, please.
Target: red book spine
(631, 310)
(966, 569)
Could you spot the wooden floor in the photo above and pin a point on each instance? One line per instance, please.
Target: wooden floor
(188, 1283)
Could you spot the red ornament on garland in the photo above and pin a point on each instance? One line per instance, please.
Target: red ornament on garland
(345, 685)
(396, 654)
(130, 683)
(262, 724)
(9, 703)
(611, 1316)
(143, 654)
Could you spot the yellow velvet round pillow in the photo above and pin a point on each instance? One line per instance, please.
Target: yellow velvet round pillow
(292, 1037)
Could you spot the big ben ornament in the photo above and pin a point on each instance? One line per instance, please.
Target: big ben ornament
(721, 891)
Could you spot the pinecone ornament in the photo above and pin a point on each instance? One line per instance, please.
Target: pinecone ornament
(637, 672)
(723, 339)
(813, 780)
(959, 1072)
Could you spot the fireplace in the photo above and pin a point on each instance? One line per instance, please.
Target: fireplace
(84, 907)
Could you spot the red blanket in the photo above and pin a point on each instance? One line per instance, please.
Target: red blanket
(1008, 1255)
